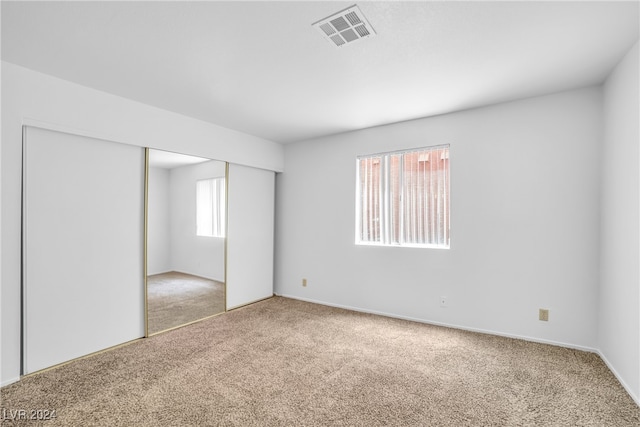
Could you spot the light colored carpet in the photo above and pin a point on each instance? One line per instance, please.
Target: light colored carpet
(283, 362)
(175, 299)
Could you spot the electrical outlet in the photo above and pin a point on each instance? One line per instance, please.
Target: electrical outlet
(443, 302)
(304, 282)
(543, 314)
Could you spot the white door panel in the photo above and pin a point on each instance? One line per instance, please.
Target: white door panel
(83, 246)
(250, 235)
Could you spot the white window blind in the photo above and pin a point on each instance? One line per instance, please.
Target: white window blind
(210, 207)
(403, 198)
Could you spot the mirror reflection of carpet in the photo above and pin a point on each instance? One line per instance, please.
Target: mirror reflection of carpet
(177, 298)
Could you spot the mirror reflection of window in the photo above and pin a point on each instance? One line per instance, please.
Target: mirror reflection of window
(210, 207)
(185, 272)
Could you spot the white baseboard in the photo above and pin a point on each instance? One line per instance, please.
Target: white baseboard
(199, 275)
(191, 274)
(483, 331)
(446, 325)
(159, 272)
(9, 381)
(615, 373)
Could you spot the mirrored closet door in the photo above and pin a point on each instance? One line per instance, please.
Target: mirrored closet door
(186, 239)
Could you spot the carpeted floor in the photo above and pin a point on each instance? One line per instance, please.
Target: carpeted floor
(175, 299)
(283, 362)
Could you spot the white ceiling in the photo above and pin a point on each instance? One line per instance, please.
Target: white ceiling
(261, 68)
(169, 160)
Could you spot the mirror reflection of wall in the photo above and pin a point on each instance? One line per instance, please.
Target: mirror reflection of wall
(185, 239)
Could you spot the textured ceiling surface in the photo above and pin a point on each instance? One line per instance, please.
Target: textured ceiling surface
(263, 69)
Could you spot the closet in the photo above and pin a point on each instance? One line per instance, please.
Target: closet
(83, 244)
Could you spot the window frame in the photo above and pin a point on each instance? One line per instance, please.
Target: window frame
(384, 197)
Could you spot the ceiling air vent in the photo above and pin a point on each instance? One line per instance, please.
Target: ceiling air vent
(345, 27)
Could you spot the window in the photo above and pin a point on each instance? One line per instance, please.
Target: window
(403, 198)
(210, 207)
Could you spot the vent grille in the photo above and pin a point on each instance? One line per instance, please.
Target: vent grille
(362, 31)
(339, 23)
(353, 18)
(328, 29)
(339, 41)
(349, 35)
(345, 27)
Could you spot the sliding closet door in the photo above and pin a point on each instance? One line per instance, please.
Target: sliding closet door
(250, 223)
(82, 246)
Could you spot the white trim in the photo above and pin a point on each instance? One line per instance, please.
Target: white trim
(197, 275)
(190, 274)
(446, 325)
(619, 378)
(404, 245)
(404, 151)
(162, 272)
(628, 389)
(9, 381)
(70, 130)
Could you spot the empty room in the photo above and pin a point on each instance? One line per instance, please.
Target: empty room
(261, 213)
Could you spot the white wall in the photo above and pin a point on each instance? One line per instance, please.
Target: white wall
(524, 217)
(159, 224)
(619, 296)
(36, 98)
(197, 255)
